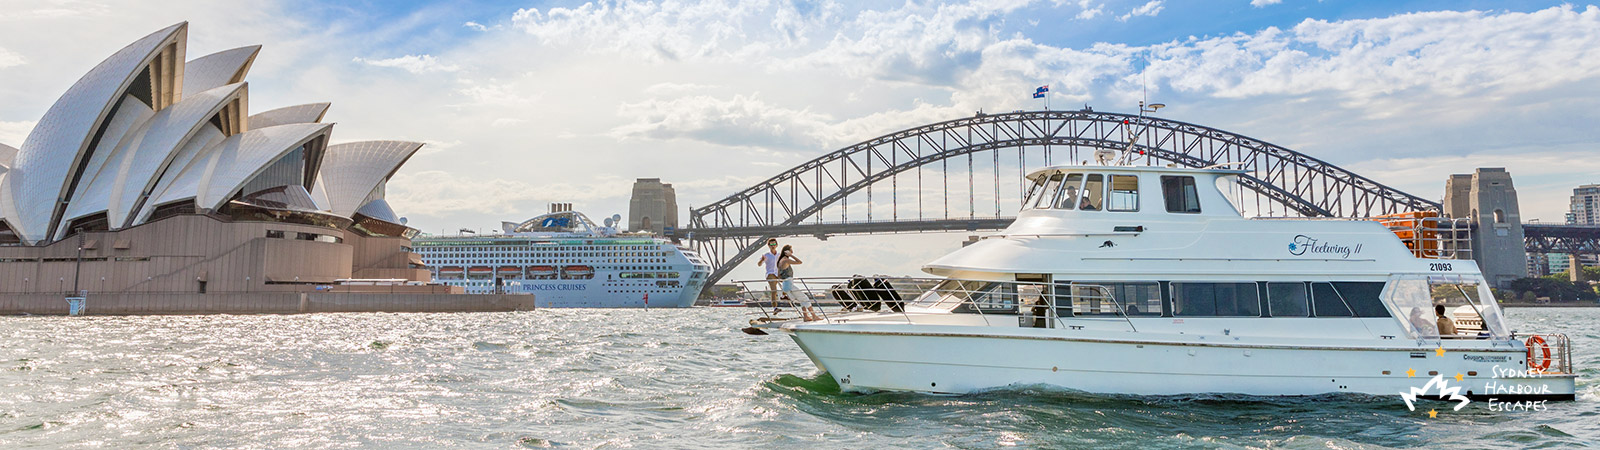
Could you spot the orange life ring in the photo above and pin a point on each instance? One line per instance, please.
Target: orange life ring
(1545, 364)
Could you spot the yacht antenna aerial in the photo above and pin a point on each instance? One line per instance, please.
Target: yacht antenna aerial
(1127, 152)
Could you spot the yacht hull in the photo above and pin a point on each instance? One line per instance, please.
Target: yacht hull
(862, 360)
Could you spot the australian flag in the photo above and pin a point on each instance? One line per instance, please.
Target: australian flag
(1039, 93)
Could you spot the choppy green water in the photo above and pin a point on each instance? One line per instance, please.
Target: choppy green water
(616, 379)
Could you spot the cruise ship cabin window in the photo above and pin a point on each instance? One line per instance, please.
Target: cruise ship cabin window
(1067, 196)
(1180, 194)
(1288, 300)
(1215, 299)
(1124, 193)
(1094, 192)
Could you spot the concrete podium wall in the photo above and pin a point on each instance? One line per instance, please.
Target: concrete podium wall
(263, 303)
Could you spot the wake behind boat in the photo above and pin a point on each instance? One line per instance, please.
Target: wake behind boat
(1147, 280)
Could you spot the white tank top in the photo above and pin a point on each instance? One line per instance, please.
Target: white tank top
(771, 260)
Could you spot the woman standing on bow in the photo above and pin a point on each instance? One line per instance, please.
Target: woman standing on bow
(786, 263)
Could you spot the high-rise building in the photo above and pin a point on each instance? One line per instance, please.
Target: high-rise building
(654, 206)
(1585, 208)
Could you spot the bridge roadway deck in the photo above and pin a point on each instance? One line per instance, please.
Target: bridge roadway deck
(1567, 239)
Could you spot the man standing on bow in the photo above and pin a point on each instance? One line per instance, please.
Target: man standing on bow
(769, 260)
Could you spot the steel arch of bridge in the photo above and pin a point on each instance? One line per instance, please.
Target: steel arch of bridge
(730, 230)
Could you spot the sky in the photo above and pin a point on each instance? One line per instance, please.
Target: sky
(532, 102)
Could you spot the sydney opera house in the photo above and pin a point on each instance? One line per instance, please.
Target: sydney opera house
(151, 175)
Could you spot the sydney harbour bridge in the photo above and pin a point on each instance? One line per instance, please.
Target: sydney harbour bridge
(967, 175)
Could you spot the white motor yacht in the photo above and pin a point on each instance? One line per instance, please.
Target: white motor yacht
(1149, 281)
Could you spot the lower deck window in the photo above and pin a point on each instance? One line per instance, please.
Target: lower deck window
(1135, 298)
(1288, 299)
(1215, 299)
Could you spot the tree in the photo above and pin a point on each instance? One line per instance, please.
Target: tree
(1559, 290)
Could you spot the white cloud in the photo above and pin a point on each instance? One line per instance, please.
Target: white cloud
(439, 194)
(1264, 3)
(1091, 13)
(13, 133)
(9, 58)
(411, 63)
(507, 122)
(914, 43)
(740, 121)
(1148, 9)
(475, 26)
(1468, 55)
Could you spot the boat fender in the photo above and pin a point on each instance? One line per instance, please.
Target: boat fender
(1544, 363)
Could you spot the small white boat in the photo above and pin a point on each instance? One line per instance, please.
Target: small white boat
(1148, 281)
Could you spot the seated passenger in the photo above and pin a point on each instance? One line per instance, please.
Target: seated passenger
(1423, 326)
(1447, 327)
(1068, 197)
(1085, 205)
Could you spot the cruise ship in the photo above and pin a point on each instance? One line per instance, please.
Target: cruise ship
(567, 261)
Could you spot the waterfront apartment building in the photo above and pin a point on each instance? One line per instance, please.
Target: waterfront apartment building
(654, 206)
(1585, 210)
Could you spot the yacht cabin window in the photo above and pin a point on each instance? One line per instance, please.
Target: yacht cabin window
(1124, 193)
(1327, 301)
(1093, 193)
(1363, 297)
(1137, 298)
(1045, 195)
(1288, 300)
(1067, 198)
(1180, 194)
(1215, 299)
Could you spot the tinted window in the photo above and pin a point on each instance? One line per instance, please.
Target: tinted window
(1045, 195)
(1094, 191)
(1124, 194)
(1068, 197)
(1215, 299)
(1363, 297)
(1327, 301)
(1288, 300)
(1180, 194)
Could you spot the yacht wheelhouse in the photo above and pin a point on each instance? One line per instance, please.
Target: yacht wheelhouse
(1148, 280)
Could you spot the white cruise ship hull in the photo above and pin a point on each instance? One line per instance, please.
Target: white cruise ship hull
(864, 357)
(598, 293)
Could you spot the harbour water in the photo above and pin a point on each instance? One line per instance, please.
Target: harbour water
(633, 378)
